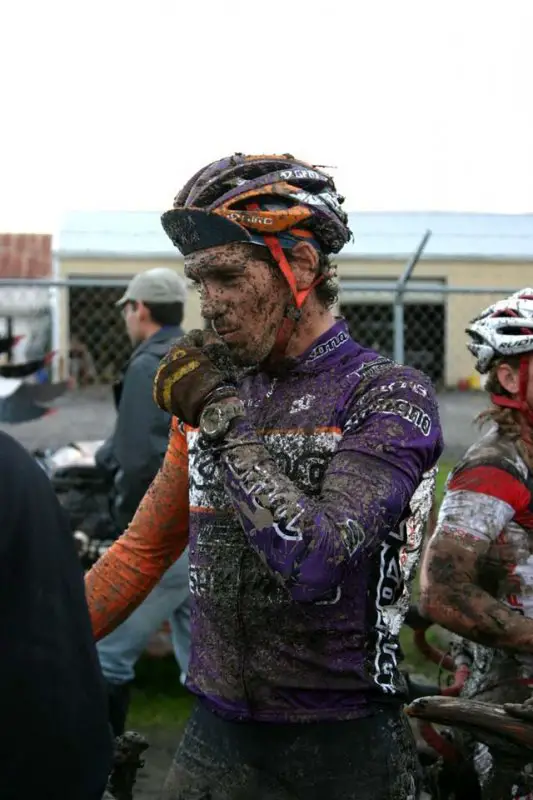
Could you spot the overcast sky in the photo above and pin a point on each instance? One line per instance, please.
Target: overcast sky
(419, 104)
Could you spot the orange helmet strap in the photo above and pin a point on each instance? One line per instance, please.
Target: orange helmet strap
(294, 312)
(272, 242)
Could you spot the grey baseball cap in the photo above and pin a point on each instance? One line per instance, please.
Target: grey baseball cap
(157, 285)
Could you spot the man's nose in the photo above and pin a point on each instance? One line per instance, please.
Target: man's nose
(211, 305)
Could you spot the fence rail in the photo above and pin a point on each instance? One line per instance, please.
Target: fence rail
(419, 322)
(364, 286)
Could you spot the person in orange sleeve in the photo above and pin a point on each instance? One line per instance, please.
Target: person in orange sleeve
(156, 537)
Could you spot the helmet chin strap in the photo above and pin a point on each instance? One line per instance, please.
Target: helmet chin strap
(293, 312)
(520, 403)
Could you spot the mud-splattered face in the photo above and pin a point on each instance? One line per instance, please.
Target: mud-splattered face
(242, 296)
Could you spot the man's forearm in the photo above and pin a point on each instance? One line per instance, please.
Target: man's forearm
(156, 537)
(279, 520)
(477, 616)
(459, 605)
(310, 540)
(114, 589)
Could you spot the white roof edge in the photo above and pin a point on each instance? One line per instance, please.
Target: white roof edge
(115, 255)
(90, 255)
(481, 257)
(386, 236)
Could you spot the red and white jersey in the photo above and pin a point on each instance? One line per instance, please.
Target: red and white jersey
(489, 498)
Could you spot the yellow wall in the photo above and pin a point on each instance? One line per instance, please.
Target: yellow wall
(459, 308)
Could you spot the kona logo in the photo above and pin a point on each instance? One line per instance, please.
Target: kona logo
(327, 347)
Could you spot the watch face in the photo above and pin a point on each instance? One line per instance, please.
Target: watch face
(212, 420)
(216, 419)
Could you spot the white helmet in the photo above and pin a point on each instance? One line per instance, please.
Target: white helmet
(503, 329)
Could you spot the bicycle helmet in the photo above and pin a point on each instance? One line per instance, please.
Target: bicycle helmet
(270, 200)
(505, 329)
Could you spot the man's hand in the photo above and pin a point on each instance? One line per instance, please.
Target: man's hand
(197, 370)
(521, 710)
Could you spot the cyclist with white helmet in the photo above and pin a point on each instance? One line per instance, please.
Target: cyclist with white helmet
(292, 464)
(477, 572)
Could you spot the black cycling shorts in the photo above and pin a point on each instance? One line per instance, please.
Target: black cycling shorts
(373, 758)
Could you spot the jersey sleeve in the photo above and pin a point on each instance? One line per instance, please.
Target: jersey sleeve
(155, 538)
(390, 438)
(480, 500)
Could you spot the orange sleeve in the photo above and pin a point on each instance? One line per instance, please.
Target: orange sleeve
(156, 537)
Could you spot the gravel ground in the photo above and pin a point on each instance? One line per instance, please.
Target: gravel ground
(163, 743)
(78, 416)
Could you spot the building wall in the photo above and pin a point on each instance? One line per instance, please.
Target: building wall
(460, 308)
(26, 255)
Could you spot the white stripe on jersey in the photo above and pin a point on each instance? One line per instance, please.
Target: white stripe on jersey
(475, 514)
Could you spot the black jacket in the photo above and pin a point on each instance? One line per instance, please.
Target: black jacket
(138, 444)
(54, 736)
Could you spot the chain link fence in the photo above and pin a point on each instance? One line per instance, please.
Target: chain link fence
(98, 343)
(428, 333)
(78, 319)
(423, 326)
(372, 324)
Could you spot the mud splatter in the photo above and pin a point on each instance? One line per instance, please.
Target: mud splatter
(242, 298)
(369, 758)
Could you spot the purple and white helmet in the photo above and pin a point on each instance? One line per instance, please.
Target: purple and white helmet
(503, 329)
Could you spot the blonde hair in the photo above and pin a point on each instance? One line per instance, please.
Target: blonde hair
(509, 421)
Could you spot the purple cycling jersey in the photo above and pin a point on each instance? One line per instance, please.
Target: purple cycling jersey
(304, 535)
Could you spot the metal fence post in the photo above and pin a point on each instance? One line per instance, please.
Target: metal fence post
(10, 333)
(398, 304)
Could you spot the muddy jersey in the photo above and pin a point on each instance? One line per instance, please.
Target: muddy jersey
(304, 535)
(489, 497)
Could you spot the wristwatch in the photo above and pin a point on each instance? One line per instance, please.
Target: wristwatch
(216, 418)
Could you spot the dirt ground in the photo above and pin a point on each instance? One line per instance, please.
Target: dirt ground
(163, 744)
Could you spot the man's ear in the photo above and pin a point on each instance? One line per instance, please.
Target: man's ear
(143, 313)
(304, 264)
(508, 378)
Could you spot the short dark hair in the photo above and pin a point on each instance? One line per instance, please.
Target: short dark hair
(327, 291)
(165, 313)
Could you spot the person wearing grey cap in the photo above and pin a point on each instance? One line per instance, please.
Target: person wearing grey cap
(152, 307)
